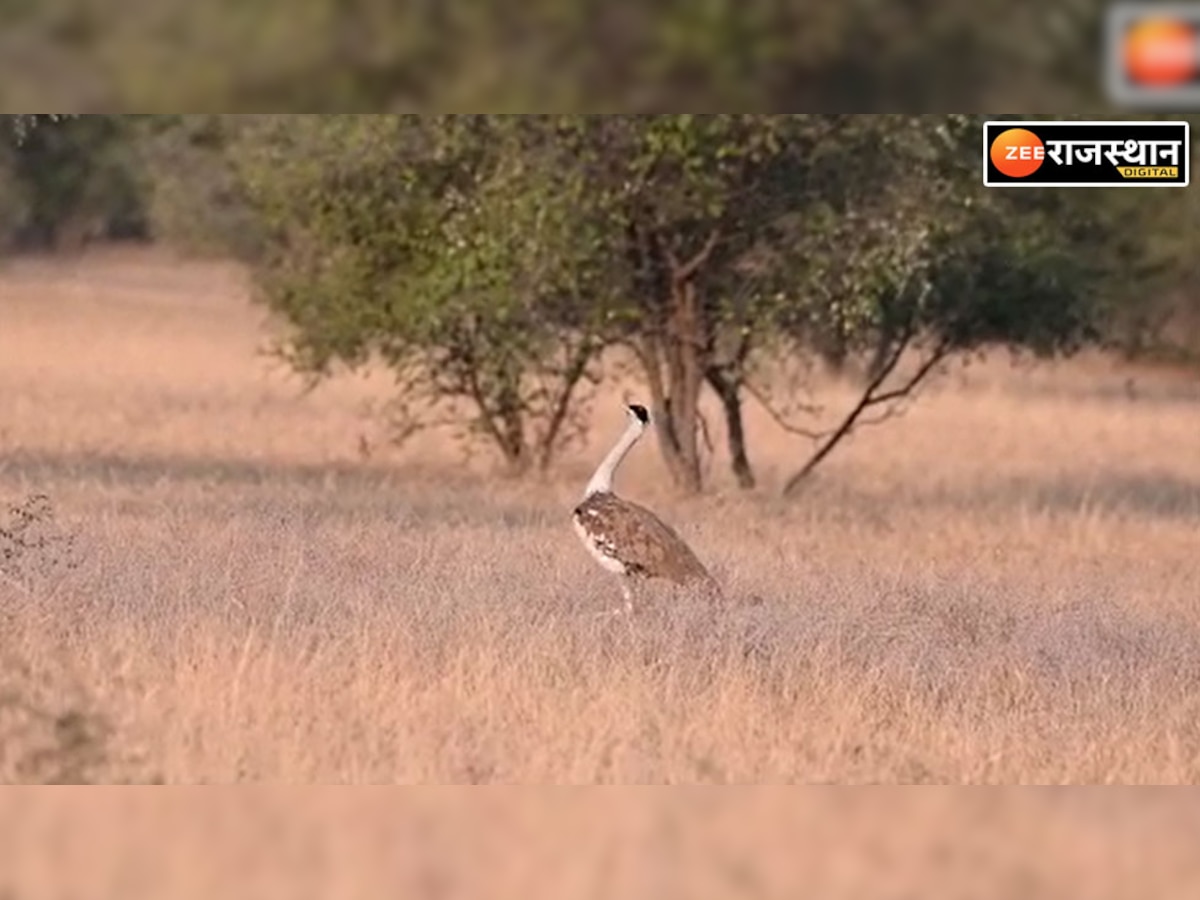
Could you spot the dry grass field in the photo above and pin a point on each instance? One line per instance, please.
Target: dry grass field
(999, 587)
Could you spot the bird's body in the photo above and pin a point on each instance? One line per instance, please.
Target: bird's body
(627, 539)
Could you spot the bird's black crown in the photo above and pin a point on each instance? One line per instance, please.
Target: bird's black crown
(639, 411)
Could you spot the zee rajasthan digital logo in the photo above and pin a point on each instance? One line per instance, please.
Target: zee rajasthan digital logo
(1086, 154)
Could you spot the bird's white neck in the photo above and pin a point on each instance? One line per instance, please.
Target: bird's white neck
(602, 479)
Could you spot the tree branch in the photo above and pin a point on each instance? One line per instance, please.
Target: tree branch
(939, 353)
(704, 433)
(743, 352)
(778, 417)
(684, 271)
(869, 399)
(474, 390)
(575, 371)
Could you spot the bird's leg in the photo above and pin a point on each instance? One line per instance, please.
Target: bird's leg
(627, 592)
(626, 609)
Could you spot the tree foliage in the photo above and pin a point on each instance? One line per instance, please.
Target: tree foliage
(67, 180)
(490, 260)
(486, 257)
(447, 246)
(585, 55)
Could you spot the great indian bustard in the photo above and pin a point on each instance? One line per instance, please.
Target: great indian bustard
(627, 539)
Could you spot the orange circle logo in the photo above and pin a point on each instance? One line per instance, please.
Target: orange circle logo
(1017, 152)
(1160, 52)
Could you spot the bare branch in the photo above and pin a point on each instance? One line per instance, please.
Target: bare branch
(779, 419)
(484, 420)
(560, 406)
(705, 459)
(704, 432)
(936, 356)
(684, 271)
(888, 412)
(870, 399)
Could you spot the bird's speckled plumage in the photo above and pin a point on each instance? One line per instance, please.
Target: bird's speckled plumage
(627, 539)
(636, 540)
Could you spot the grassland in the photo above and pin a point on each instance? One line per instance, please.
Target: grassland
(1000, 586)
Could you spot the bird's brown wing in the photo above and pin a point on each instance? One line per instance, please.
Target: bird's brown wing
(639, 539)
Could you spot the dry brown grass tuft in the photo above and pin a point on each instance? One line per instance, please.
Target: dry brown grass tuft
(999, 587)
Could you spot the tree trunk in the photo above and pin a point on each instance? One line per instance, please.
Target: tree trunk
(517, 458)
(674, 351)
(726, 389)
(683, 349)
(664, 375)
(508, 429)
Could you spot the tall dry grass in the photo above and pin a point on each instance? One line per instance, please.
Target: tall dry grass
(999, 587)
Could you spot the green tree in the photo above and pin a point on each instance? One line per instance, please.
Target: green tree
(757, 55)
(698, 209)
(920, 265)
(488, 260)
(72, 179)
(926, 289)
(448, 247)
(746, 235)
(196, 201)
